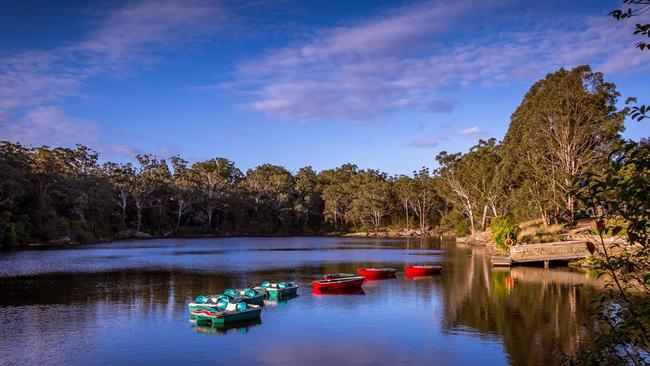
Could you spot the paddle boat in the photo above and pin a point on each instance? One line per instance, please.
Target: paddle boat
(207, 302)
(415, 271)
(280, 290)
(337, 283)
(226, 313)
(247, 295)
(377, 272)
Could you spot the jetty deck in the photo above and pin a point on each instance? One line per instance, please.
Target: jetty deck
(543, 253)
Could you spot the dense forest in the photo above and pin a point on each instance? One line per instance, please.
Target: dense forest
(560, 136)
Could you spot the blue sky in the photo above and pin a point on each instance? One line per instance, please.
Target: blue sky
(385, 85)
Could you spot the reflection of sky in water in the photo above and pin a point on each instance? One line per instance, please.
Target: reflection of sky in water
(224, 254)
(126, 303)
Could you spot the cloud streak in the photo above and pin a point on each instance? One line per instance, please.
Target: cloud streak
(408, 58)
(34, 83)
(471, 131)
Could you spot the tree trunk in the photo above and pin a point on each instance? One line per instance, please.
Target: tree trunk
(178, 217)
(139, 217)
(484, 218)
(569, 207)
(406, 209)
(210, 213)
(472, 224)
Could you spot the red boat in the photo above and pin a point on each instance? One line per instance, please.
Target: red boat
(414, 271)
(377, 272)
(337, 283)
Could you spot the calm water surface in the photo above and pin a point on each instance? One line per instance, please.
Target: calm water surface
(126, 303)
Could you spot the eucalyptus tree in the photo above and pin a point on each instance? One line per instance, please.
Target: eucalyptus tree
(454, 171)
(14, 174)
(121, 177)
(15, 179)
(47, 166)
(405, 193)
(371, 200)
(482, 162)
(563, 130)
(424, 196)
(151, 175)
(215, 180)
(183, 187)
(309, 203)
(338, 192)
(271, 188)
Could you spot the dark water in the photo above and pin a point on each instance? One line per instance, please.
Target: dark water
(126, 303)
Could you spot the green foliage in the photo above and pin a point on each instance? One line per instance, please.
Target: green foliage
(60, 194)
(470, 184)
(462, 228)
(504, 232)
(451, 219)
(559, 135)
(635, 8)
(622, 193)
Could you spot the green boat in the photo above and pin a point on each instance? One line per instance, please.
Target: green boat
(280, 290)
(206, 301)
(225, 313)
(247, 295)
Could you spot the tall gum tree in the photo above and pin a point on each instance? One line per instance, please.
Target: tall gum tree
(562, 131)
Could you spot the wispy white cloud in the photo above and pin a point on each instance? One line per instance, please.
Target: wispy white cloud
(34, 83)
(50, 125)
(413, 56)
(471, 131)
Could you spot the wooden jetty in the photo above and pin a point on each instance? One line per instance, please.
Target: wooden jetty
(543, 253)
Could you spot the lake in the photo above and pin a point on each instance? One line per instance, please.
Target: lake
(125, 303)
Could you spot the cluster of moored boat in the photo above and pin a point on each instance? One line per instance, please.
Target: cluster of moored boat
(235, 305)
(345, 281)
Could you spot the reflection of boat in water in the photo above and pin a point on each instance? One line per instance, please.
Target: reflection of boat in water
(418, 277)
(344, 291)
(240, 327)
(279, 303)
(378, 279)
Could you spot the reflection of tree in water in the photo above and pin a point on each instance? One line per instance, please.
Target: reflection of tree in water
(532, 318)
(147, 289)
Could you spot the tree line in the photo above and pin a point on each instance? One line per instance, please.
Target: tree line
(50, 194)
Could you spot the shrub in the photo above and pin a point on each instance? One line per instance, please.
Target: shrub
(81, 232)
(451, 220)
(503, 228)
(462, 228)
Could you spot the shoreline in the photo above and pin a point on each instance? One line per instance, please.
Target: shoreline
(135, 236)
